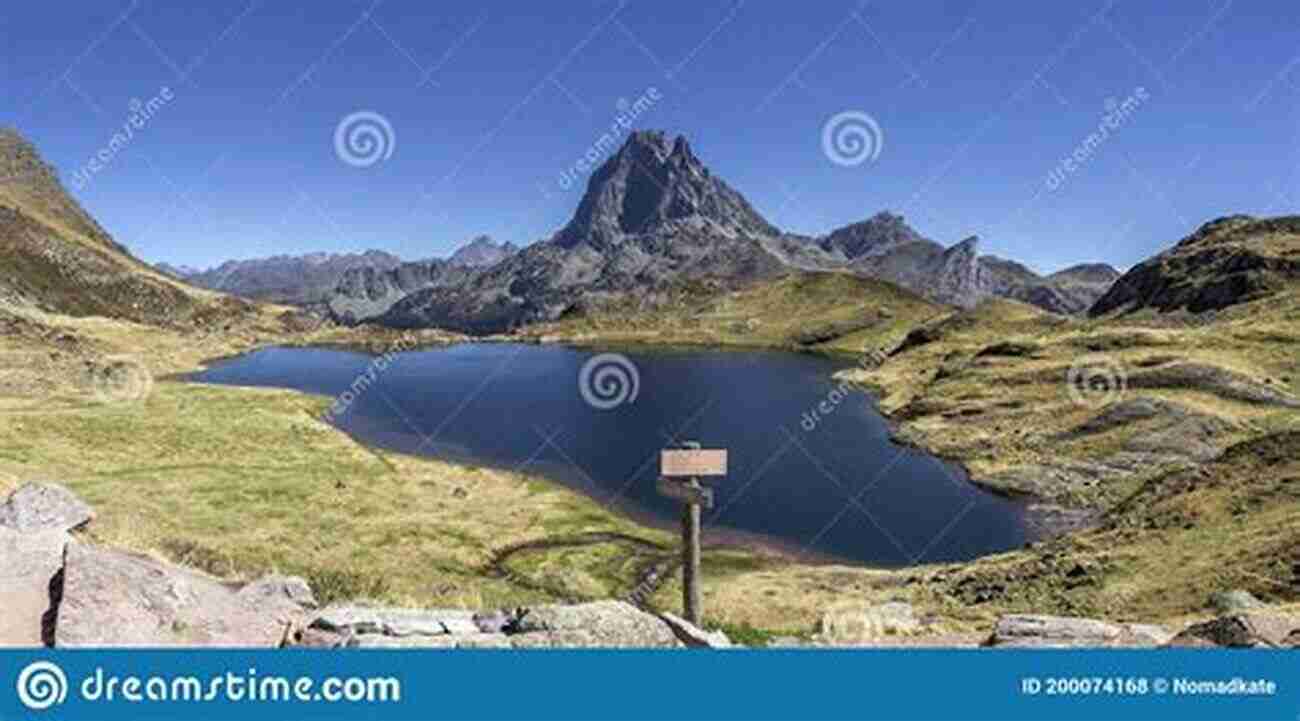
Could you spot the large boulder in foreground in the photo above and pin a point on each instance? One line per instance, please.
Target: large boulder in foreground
(29, 565)
(114, 599)
(1263, 629)
(1028, 631)
(38, 507)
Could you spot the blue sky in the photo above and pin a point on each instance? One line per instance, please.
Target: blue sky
(977, 103)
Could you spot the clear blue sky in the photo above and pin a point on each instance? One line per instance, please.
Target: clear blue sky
(978, 103)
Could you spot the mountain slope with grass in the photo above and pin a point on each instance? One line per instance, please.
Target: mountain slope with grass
(1226, 262)
(55, 258)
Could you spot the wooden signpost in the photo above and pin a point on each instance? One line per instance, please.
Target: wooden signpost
(680, 470)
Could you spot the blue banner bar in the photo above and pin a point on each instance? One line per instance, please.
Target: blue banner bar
(604, 685)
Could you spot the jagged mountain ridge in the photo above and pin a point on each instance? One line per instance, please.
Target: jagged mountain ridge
(654, 215)
(291, 279)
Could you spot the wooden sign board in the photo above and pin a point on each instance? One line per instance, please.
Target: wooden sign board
(676, 463)
(685, 492)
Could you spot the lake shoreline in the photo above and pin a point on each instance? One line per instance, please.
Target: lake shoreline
(738, 533)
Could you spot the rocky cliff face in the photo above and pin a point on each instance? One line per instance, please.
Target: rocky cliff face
(653, 185)
(369, 291)
(652, 216)
(1226, 262)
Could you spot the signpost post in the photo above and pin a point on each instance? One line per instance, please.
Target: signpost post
(689, 463)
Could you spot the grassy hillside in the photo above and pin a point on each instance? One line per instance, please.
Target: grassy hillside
(825, 311)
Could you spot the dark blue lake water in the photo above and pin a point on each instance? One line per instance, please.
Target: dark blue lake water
(812, 469)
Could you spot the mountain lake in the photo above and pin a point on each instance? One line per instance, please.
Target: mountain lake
(812, 470)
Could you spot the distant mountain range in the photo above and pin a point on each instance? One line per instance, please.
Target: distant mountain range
(654, 216)
(314, 278)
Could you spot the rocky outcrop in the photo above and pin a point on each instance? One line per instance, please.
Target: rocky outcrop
(116, 599)
(1226, 262)
(38, 507)
(1248, 630)
(603, 624)
(1028, 631)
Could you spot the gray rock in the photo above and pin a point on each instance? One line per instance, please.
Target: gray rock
(1029, 631)
(116, 599)
(1230, 602)
(29, 563)
(1246, 630)
(396, 622)
(603, 624)
(693, 636)
(44, 506)
(273, 589)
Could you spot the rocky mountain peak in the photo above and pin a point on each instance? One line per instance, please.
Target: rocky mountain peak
(881, 233)
(653, 184)
(481, 252)
(1088, 273)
